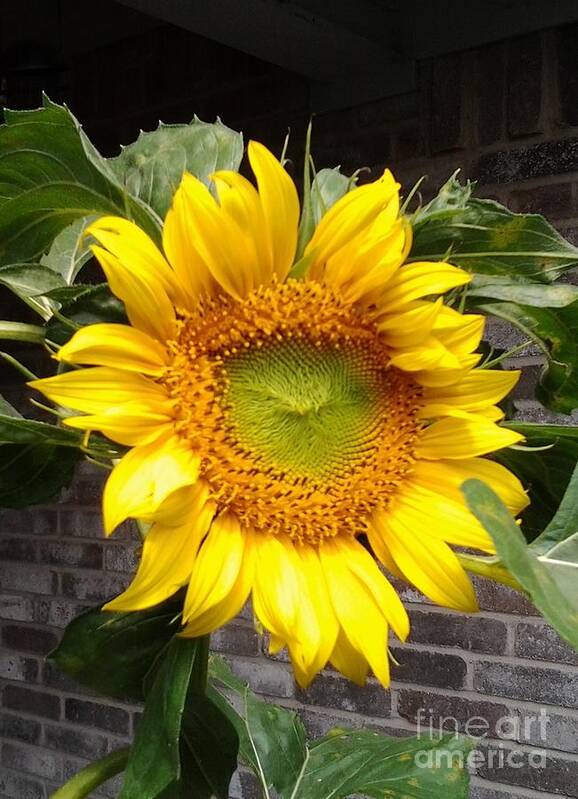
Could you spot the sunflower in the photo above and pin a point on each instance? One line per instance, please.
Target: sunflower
(289, 427)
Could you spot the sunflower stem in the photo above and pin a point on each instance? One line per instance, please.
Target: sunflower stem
(507, 354)
(200, 676)
(87, 780)
(18, 366)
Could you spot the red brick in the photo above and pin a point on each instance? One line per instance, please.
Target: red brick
(93, 714)
(67, 553)
(19, 729)
(428, 668)
(541, 642)
(18, 667)
(17, 549)
(334, 691)
(490, 87)
(34, 579)
(475, 633)
(31, 521)
(450, 713)
(555, 201)
(15, 786)
(29, 639)
(524, 85)
(235, 639)
(75, 741)
(556, 775)
(37, 762)
(446, 131)
(546, 686)
(92, 587)
(36, 703)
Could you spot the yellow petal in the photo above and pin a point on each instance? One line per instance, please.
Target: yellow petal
(135, 251)
(118, 346)
(147, 304)
(427, 562)
(430, 355)
(97, 389)
(448, 476)
(219, 240)
(222, 577)
(144, 478)
(280, 205)
(447, 377)
(475, 392)
(352, 214)
(240, 201)
(411, 327)
(362, 267)
(460, 333)
(417, 280)
(447, 518)
(132, 424)
(363, 622)
(363, 566)
(276, 594)
(180, 248)
(349, 661)
(463, 438)
(381, 550)
(168, 556)
(316, 630)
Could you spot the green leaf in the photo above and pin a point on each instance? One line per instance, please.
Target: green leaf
(69, 252)
(31, 474)
(184, 745)
(154, 762)
(83, 305)
(29, 282)
(544, 473)
(319, 194)
(452, 195)
(8, 410)
(498, 287)
(271, 738)
(272, 743)
(20, 331)
(51, 176)
(328, 186)
(368, 763)
(483, 237)
(556, 331)
(128, 643)
(17, 430)
(152, 167)
(209, 748)
(37, 459)
(546, 570)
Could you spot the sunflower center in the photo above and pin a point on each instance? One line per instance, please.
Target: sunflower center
(302, 427)
(307, 411)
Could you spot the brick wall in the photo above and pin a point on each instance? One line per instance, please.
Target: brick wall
(508, 115)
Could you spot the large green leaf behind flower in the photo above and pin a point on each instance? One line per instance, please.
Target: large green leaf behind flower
(515, 259)
(152, 167)
(544, 466)
(51, 176)
(345, 762)
(36, 459)
(484, 237)
(548, 568)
